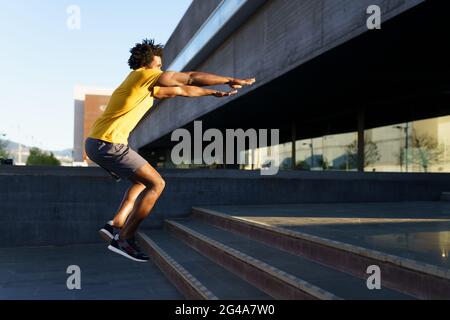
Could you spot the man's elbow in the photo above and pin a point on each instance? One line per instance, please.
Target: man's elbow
(189, 78)
(167, 93)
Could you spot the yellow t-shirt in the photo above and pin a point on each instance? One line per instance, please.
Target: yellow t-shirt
(128, 104)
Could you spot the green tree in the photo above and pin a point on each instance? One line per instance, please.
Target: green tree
(324, 164)
(39, 158)
(3, 152)
(302, 165)
(425, 150)
(371, 154)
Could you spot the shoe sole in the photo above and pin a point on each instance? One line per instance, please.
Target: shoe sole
(106, 235)
(122, 253)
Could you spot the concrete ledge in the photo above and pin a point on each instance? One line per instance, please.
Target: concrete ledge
(184, 281)
(227, 173)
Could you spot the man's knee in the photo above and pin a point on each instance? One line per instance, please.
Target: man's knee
(159, 186)
(156, 186)
(148, 176)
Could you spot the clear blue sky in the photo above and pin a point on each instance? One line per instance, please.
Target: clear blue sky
(41, 59)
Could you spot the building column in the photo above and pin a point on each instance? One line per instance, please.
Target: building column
(293, 139)
(361, 143)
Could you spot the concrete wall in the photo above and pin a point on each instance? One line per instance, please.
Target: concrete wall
(279, 37)
(195, 16)
(56, 206)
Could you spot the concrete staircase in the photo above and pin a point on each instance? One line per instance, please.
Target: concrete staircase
(211, 255)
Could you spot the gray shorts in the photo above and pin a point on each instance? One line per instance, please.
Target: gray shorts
(118, 159)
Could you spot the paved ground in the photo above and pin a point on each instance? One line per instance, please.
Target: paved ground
(40, 273)
(415, 230)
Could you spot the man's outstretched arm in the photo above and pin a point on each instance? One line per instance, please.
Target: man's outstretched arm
(200, 79)
(189, 91)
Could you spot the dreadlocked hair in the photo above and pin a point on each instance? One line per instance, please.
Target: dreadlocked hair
(142, 53)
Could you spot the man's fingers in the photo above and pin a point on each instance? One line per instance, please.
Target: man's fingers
(251, 81)
(246, 81)
(230, 93)
(239, 83)
(221, 94)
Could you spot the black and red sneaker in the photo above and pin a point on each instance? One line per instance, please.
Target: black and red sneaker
(108, 232)
(127, 248)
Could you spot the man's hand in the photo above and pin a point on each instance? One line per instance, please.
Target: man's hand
(188, 91)
(239, 83)
(221, 94)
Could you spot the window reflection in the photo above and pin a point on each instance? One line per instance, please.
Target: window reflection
(418, 146)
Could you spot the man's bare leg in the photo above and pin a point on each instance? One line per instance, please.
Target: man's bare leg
(128, 203)
(154, 183)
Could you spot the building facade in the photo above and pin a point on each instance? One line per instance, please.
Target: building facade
(90, 103)
(342, 95)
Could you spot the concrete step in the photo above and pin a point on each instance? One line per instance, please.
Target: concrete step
(417, 279)
(445, 196)
(261, 264)
(194, 275)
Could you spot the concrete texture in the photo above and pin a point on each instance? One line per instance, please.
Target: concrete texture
(259, 274)
(57, 206)
(414, 230)
(39, 273)
(195, 16)
(183, 280)
(336, 282)
(222, 283)
(279, 37)
(417, 279)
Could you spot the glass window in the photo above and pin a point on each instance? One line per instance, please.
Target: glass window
(340, 152)
(332, 152)
(417, 146)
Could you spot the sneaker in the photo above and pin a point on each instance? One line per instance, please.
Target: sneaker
(127, 248)
(108, 232)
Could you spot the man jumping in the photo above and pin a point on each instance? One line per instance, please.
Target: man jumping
(107, 143)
